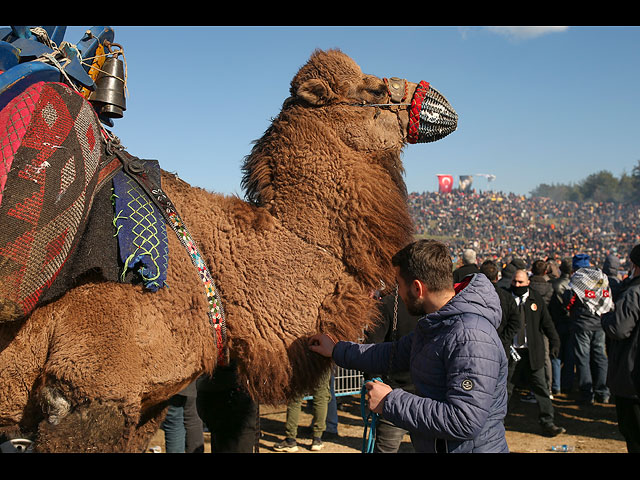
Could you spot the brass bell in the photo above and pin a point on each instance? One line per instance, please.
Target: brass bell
(108, 97)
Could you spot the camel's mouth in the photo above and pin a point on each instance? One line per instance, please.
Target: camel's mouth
(431, 117)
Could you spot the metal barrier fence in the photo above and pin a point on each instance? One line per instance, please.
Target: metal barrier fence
(346, 382)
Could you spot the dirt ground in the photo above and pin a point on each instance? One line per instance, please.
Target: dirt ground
(591, 429)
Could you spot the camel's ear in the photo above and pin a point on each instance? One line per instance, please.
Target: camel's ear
(315, 91)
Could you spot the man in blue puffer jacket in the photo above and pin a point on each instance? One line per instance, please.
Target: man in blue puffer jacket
(456, 359)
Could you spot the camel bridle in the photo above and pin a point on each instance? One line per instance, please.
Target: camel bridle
(431, 117)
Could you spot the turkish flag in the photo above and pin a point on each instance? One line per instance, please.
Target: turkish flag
(589, 294)
(445, 183)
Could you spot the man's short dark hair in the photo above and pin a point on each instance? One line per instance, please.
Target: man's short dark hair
(539, 267)
(490, 270)
(428, 261)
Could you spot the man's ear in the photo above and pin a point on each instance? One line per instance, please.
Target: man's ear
(418, 288)
(315, 91)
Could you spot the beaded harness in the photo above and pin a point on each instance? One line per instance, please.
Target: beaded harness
(135, 168)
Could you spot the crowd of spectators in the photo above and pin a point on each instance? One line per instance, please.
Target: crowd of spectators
(497, 225)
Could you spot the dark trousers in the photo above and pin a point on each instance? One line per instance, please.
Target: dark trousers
(388, 437)
(233, 419)
(564, 375)
(521, 373)
(628, 410)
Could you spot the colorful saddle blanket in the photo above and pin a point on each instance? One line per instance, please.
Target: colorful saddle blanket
(53, 164)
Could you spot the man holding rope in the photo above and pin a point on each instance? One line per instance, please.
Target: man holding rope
(455, 357)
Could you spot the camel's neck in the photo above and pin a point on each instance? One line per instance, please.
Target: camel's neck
(350, 203)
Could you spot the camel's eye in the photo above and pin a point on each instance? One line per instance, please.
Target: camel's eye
(379, 92)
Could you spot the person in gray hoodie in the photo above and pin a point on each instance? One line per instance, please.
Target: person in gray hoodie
(456, 359)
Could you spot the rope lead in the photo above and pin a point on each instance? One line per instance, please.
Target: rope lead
(370, 419)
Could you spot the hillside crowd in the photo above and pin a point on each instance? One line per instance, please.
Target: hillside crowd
(497, 225)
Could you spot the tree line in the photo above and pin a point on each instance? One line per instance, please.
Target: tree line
(602, 186)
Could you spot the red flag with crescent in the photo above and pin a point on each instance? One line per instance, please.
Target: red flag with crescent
(445, 183)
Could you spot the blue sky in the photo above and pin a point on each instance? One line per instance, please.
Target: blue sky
(535, 104)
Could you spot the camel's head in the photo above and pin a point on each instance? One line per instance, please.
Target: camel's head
(408, 112)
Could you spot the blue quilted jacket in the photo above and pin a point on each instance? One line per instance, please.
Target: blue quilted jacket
(459, 368)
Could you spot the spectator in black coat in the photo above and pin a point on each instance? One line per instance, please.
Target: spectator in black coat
(622, 326)
(469, 266)
(511, 319)
(530, 346)
(540, 283)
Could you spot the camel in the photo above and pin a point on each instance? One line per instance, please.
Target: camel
(325, 210)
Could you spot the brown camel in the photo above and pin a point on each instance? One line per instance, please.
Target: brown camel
(325, 211)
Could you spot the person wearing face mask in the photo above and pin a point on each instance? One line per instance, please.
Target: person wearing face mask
(529, 344)
(622, 327)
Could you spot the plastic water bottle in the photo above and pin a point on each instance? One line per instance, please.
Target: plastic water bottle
(562, 448)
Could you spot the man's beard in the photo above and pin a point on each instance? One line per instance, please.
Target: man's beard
(415, 305)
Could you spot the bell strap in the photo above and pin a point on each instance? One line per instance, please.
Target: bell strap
(135, 168)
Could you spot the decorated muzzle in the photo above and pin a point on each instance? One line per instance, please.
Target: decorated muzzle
(431, 117)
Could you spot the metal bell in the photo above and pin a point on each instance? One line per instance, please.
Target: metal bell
(108, 97)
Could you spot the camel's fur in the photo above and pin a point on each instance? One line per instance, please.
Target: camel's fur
(326, 210)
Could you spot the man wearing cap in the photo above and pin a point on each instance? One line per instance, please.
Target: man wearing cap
(587, 299)
(469, 266)
(621, 326)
